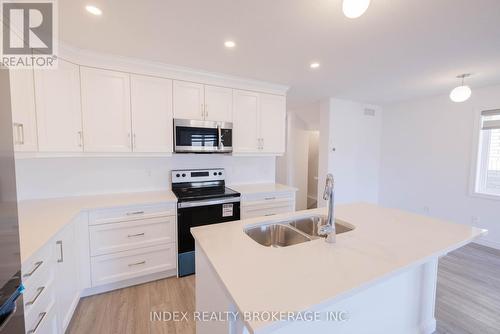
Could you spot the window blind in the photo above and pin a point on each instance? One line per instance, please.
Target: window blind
(490, 119)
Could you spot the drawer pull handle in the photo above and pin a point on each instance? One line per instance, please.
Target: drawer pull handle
(135, 213)
(42, 316)
(136, 235)
(61, 258)
(137, 264)
(37, 265)
(269, 214)
(39, 292)
(269, 198)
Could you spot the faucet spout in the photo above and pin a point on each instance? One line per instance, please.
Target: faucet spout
(328, 229)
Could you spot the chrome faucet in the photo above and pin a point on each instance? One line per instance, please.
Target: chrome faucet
(328, 229)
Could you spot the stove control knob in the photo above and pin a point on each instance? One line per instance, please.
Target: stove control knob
(183, 175)
(220, 173)
(215, 173)
(177, 175)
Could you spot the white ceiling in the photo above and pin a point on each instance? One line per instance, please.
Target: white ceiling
(400, 49)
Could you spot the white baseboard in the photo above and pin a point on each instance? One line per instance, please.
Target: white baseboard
(488, 243)
(130, 282)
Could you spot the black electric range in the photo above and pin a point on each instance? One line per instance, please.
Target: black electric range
(203, 199)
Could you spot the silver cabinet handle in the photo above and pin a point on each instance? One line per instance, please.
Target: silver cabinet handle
(269, 214)
(137, 264)
(133, 141)
(60, 243)
(80, 138)
(17, 131)
(42, 316)
(206, 111)
(39, 292)
(134, 213)
(37, 265)
(21, 128)
(202, 110)
(135, 235)
(269, 198)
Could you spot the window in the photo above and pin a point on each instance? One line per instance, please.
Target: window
(488, 173)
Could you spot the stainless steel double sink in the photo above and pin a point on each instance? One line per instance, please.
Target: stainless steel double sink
(292, 232)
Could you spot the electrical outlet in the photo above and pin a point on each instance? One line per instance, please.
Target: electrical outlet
(475, 220)
(427, 210)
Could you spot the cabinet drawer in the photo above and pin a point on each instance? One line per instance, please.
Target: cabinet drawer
(41, 313)
(130, 264)
(266, 197)
(117, 237)
(36, 291)
(129, 213)
(265, 211)
(38, 266)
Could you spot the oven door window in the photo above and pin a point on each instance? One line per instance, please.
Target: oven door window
(203, 215)
(196, 137)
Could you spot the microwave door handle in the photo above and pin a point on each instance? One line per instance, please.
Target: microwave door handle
(219, 133)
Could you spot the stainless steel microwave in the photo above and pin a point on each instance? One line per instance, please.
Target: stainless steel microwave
(193, 136)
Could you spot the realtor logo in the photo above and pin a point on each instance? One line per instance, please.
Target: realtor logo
(28, 33)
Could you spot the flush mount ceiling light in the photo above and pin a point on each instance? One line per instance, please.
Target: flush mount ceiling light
(314, 65)
(229, 44)
(461, 93)
(355, 8)
(93, 10)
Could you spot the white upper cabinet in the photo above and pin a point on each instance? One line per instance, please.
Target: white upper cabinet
(152, 119)
(272, 123)
(218, 104)
(58, 109)
(259, 123)
(22, 95)
(246, 122)
(189, 100)
(106, 110)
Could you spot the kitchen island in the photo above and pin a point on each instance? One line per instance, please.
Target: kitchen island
(379, 277)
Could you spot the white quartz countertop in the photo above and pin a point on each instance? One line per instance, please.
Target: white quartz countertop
(258, 188)
(40, 220)
(305, 276)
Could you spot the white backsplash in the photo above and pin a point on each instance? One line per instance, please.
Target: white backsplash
(60, 177)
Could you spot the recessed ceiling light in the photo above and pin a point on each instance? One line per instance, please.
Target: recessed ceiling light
(355, 8)
(229, 44)
(93, 10)
(314, 65)
(463, 92)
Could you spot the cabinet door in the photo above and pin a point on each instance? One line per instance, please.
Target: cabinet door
(272, 123)
(188, 100)
(106, 110)
(67, 275)
(58, 109)
(152, 119)
(245, 127)
(22, 95)
(218, 104)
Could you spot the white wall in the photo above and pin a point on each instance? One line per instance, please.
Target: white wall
(350, 148)
(291, 168)
(58, 177)
(427, 158)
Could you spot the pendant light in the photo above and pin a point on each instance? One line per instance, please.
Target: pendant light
(355, 8)
(463, 92)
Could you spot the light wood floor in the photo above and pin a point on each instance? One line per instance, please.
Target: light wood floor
(468, 300)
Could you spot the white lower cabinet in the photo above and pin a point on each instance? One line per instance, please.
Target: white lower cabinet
(67, 274)
(267, 204)
(131, 243)
(98, 251)
(38, 274)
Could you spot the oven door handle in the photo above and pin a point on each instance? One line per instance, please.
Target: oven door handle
(195, 204)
